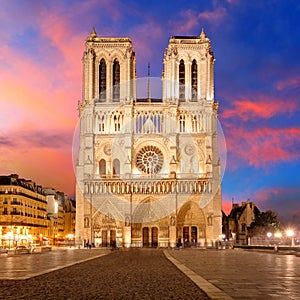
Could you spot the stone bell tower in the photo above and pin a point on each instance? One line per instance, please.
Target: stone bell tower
(108, 83)
(189, 69)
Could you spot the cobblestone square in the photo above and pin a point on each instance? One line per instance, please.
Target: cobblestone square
(148, 274)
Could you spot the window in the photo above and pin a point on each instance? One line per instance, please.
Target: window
(194, 80)
(117, 123)
(102, 79)
(243, 227)
(194, 123)
(102, 167)
(149, 160)
(116, 81)
(182, 123)
(157, 123)
(181, 80)
(116, 167)
(101, 124)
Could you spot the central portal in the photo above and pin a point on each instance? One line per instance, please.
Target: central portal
(150, 240)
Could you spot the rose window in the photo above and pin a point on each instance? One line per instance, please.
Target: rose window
(149, 160)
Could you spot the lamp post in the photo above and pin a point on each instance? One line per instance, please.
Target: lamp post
(277, 235)
(233, 238)
(291, 234)
(70, 237)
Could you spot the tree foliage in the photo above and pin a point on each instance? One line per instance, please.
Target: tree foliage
(265, 222)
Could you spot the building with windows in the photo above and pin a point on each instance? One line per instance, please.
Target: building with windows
(31, 214)
(148, 168)
(23, 214)
(69, 208)
(239, 220)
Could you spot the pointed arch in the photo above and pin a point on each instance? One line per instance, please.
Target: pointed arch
(182, 123)
(149, 210)
(181, 80)
(194, 123)
(116, 80)
(116, 167)
(191, 222)
(102, 167)
(102, 79)
(194, 80)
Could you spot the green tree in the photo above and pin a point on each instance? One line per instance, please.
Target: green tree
(265, 222)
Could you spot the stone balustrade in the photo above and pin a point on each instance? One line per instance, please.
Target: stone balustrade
(147, 186)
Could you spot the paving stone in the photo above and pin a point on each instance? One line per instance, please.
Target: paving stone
(133, 274)
(147, 274)
(245, 274)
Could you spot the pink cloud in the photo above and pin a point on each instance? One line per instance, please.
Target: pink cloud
(48, 167)
(26, 85)
(283, 200)
(260, 107)
(265, 194)
(265, 146)
(41, 92)
(190, 20)
(215, 16)
(232, 1)
(288, 83)
(44, 156)
(44, 89)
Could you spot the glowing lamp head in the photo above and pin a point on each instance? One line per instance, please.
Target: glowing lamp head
(290, 233)
(278, 235)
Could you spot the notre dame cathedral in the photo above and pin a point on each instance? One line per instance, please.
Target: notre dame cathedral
(148, 169)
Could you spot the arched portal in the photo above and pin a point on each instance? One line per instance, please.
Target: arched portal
(191, 224)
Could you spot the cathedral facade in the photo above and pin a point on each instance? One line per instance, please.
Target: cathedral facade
(148, 169)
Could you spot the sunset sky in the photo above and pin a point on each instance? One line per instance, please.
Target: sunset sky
(257, 83)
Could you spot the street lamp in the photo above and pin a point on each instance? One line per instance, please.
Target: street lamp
(269, 235)
(290, 233)
(70, 237)
(277, 235)
(221, 241)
